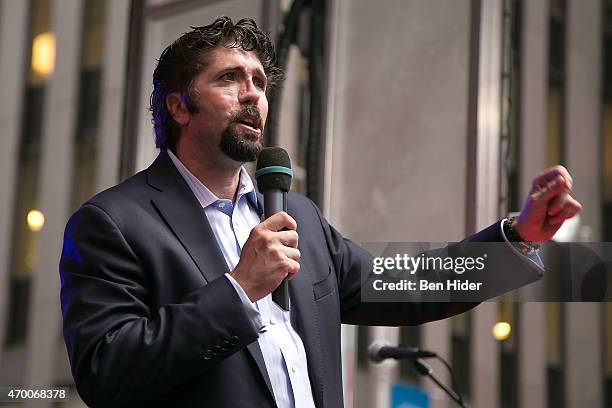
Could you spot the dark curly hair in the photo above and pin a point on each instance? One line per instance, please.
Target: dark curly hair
(181, 61)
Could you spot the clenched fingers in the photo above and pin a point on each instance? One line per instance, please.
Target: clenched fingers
(570, 208)
(288, 238)
(550, 174)
(541, 195)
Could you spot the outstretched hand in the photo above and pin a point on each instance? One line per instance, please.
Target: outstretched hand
(548, 205)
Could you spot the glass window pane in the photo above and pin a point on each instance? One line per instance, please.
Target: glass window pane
(92, 51)
(40, 64)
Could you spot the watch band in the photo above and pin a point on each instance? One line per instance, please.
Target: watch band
(525, 247)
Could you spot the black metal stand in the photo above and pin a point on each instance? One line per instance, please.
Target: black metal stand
(426, 371)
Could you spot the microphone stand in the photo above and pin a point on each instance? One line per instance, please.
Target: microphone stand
(426, 371)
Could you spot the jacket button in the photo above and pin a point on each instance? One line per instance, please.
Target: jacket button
(218, 349)
(234, 340)
(207, 354)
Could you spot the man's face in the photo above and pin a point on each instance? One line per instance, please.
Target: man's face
(232, 105)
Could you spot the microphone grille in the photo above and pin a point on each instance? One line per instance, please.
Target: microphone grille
(273, 157)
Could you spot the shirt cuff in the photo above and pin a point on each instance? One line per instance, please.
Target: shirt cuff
(249, 306)
(532, 258)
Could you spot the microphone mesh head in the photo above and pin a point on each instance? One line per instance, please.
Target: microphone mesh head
(374, 349)
(273, 157)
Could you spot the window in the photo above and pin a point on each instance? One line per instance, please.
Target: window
(512, 104)
(555, 354)
(606, 125)
(506, 333)
(92, 51)
(556, 82)
(41, 61)
(556, 154)
(606, 314)
(460, 361)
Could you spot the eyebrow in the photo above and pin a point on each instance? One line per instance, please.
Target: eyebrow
(258, 71)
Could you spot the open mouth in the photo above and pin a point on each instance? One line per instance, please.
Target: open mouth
(250, 123)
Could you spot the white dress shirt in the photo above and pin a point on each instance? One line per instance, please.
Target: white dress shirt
(281, 347)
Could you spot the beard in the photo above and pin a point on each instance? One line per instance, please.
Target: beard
(241, 145)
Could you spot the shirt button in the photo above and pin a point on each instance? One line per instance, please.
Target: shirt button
(221, 205)
(293, 369)
(272, 320)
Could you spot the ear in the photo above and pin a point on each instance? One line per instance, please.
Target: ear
(177, 108)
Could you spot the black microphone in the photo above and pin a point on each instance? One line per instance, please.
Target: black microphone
(379, 351)
(273, 177)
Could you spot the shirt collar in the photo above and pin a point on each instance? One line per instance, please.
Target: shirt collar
(207, 197)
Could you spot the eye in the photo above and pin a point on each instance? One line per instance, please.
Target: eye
(228, 76)
(259, 83)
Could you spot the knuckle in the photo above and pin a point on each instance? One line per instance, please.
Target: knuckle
(260, 237)
(258, 230)
(286, 266)
(276, 252)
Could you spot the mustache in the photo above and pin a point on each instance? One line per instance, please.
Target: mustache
(249, 111)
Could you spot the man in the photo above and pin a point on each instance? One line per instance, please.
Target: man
(166, 278)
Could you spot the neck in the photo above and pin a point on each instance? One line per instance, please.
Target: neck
(221, 179)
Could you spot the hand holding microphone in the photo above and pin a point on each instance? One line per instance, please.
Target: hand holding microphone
(270, 256)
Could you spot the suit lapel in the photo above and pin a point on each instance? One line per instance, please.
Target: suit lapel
(183, 213)
(255, 351)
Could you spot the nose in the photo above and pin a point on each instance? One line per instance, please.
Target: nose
(249, 94)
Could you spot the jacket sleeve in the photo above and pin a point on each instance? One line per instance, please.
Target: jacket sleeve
(123, 352)
(353, 269)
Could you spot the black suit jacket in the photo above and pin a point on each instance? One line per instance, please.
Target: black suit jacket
(149, 320)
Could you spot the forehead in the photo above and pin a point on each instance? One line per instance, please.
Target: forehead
(222, 57)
